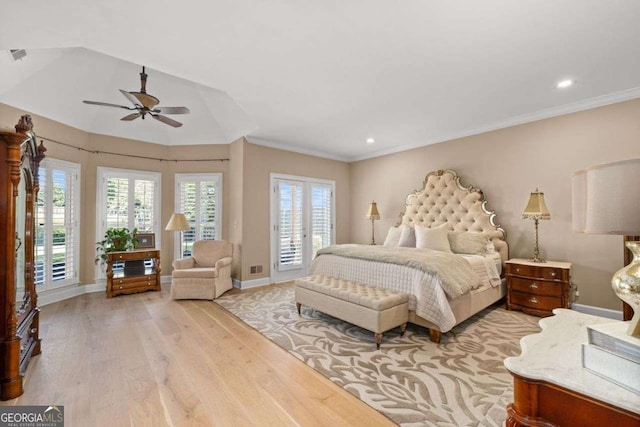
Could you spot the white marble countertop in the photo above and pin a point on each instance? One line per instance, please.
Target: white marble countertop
(555, 356)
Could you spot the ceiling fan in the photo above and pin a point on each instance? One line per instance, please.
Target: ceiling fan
(145, 104)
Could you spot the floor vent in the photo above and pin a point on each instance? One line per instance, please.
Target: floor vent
(17, 54)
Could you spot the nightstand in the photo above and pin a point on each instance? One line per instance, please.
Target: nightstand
(537, 288)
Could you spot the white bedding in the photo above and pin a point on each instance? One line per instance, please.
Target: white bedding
(486, 267)
(426, 295)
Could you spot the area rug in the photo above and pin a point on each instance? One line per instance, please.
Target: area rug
(414, 382)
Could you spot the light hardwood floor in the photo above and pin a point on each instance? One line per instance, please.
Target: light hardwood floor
(145, 360)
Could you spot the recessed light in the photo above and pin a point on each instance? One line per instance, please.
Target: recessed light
(370, 140)
(563, 84)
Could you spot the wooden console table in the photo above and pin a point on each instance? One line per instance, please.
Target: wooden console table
(551, 388)
(123, 282)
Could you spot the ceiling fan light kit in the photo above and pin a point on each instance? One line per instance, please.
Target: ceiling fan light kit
(144, 104)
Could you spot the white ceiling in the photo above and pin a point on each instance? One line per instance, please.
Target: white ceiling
(320, 76)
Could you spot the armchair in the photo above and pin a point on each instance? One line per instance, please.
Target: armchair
(206, 274)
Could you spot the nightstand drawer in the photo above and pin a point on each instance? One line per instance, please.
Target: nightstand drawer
(536, 302)
(537, 287)
(535, 272)
(133, 282)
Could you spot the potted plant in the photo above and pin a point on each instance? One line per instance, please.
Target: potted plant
(115, 240)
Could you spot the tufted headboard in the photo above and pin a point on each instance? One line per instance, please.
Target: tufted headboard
(442, 199)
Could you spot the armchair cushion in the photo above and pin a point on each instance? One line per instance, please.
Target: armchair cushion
(195, 273)
(223, 262)
(207, 252)
(182, 263)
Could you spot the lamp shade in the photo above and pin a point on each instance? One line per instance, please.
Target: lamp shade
(373, 211)
(178, 222)
(536, 207)
(606, 198)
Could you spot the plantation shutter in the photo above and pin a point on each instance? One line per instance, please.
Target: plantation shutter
(198, 197)
(39, 255)
(143, 205)
(128, 199)
(207, 210)
(321, 221)
(291, 227)
(56, 250)
(127, 195)
(302, 211)
(117, 203)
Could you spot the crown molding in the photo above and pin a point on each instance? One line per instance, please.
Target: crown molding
(299, 150)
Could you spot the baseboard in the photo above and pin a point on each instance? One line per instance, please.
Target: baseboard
(597, 311)
(59, 294)
(70, 291)
(95, 287)
(246, 284)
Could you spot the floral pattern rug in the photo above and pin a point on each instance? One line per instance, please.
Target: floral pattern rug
(414, 382)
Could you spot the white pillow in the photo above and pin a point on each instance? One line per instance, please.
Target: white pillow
(491, 248)
(468, 242)
(407, 237)
(393, 237)
(433, 238)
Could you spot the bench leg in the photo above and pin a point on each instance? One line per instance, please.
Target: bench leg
(435, 335)
(378, 340)
(403, 329)
(298, 305)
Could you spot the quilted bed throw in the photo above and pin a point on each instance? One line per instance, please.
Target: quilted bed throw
(454, 271)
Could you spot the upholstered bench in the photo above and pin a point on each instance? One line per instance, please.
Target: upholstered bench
(372, 308)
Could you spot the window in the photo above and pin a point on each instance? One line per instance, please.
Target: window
(199, 197)
(57, 231)
(128, 198)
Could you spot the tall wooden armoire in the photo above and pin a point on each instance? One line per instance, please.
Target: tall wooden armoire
(20, 158)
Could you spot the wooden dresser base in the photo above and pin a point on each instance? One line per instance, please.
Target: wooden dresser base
(537, 403)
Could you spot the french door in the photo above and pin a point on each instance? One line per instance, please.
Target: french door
(302, 218)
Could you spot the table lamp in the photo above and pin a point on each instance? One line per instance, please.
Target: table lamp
(536, 210)
(178, 222)
(605, 200)
(373, 214)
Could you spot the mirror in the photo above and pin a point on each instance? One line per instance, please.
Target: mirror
(21, 215)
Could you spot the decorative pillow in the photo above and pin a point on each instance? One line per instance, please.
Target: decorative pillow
(393, 237)
(491, 248)
(433, 238)
(468, 242)
(407, 237)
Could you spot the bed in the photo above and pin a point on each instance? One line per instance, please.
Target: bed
(441, 203)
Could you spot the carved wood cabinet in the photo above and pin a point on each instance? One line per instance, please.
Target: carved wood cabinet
(19, 314)
(130, 282)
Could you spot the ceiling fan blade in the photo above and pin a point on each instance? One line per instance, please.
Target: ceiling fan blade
(131, 117)
(106, 104)
(130, 97)
(172, 110)
(166, 120)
